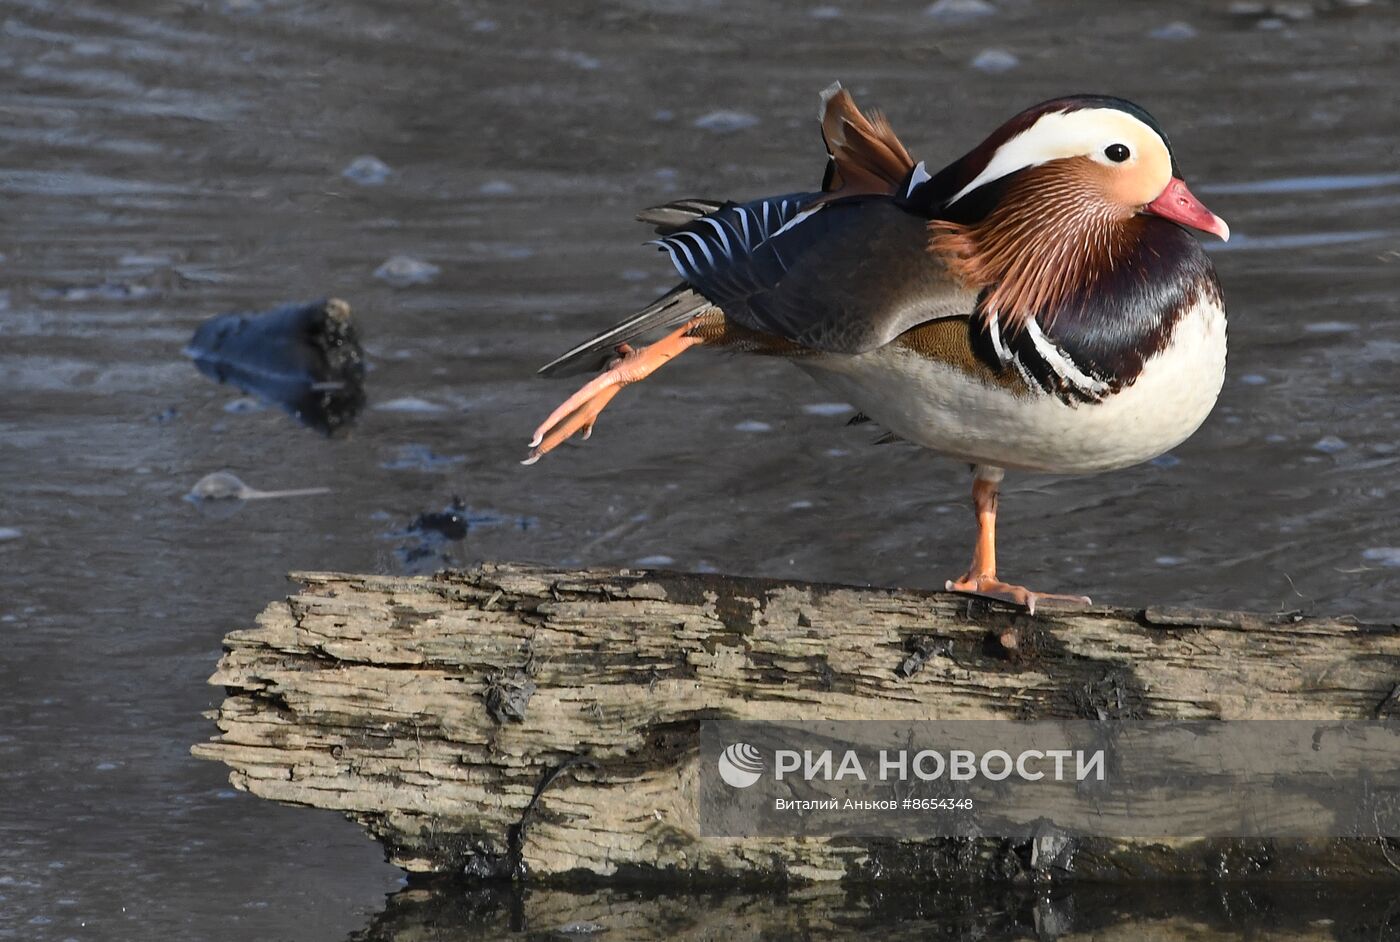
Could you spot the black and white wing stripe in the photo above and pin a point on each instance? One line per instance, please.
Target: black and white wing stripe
(731, 234)
(1041, 361)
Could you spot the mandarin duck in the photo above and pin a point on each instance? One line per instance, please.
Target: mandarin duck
(1038, 304)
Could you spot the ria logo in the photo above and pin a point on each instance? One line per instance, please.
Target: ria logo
(740, 765)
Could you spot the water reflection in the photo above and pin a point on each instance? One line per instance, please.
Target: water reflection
(1170, 913)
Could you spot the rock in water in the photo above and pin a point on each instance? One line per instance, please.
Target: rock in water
(305, 358)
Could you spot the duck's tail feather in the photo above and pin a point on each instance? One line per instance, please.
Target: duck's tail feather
(669, 311)
(865, 155)
(675, 215)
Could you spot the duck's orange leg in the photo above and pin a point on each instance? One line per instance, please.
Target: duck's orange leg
(981, 577)
(580, 411)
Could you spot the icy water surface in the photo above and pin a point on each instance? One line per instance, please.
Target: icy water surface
(464, 174)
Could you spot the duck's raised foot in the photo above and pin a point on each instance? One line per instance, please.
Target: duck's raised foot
(580, 411)
(991, 588)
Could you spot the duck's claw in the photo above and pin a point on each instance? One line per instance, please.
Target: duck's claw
(989, 587)
(579, 413)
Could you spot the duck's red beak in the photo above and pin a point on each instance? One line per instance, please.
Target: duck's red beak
(1177, 204)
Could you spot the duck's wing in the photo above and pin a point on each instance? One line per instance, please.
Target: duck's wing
(837, 276)
(844, 269)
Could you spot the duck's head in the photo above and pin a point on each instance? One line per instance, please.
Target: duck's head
(1105, 153)
(1055, 201)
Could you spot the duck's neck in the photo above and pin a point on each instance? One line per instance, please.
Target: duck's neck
(1048, 238)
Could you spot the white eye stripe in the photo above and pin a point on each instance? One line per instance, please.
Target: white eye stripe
(1056, 135)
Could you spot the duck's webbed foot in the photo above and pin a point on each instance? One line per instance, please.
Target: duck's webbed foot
(990, 587)
(580, 411)
(981, 577)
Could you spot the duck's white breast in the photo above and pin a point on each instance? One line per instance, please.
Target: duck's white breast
(949, 411)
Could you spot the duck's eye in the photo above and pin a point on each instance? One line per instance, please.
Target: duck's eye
(1116, 153)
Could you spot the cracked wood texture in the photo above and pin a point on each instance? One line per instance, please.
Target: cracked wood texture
(515, 721)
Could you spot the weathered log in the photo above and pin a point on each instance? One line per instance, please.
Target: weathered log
(518, 720)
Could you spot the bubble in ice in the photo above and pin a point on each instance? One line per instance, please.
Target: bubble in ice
(367, 170)
(409, 404)
(221, 485)
(580, 60)
(1175, 31)
(994, 61)
(225, 485)
(1385, 555)
(724, 121)
(1295, 10)
(658, 560)
(826, 408)
(415, 457)
(752, 426)
(403, 271)
(243, 405)
(959, 11)
(1330, 445)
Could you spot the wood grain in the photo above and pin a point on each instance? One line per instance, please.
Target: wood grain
(516, 721)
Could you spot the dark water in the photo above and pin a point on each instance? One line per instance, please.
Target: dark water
(162, 161)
